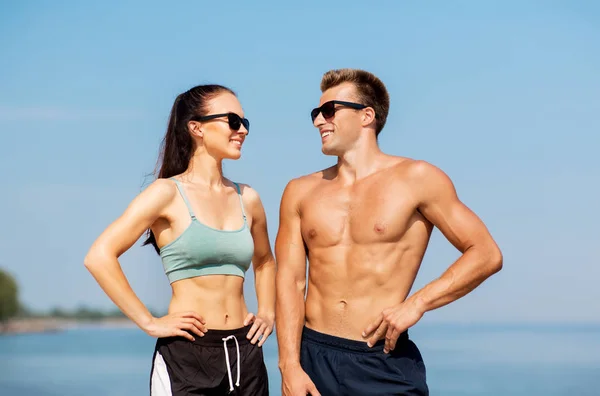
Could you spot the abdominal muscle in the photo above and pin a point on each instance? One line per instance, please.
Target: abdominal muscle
(349, 287)
(219, 299)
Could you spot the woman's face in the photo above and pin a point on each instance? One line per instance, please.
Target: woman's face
(223, 136)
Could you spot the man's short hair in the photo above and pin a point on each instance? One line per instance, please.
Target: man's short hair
(371, 91)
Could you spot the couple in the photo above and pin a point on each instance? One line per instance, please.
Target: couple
(363, 224)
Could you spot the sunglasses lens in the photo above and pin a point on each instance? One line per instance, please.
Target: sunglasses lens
(328, 110)
(234, 122)
(315, 113)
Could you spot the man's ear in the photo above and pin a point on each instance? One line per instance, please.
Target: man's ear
(368, 116)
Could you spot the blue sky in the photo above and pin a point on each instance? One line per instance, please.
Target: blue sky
(503, 96)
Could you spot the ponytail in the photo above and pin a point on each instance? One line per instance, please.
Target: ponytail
(177, 146)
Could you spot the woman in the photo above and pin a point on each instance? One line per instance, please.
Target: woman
(206, 229)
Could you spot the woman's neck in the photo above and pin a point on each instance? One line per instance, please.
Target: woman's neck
(204, 170)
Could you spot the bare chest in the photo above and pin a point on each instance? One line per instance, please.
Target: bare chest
(369, 213)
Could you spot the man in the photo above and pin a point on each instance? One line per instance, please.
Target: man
(365, 224)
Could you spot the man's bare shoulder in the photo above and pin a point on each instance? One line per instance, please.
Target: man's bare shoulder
(424, 171)
(311, 179)
(415, 169)
(301, 186)
(423, 178)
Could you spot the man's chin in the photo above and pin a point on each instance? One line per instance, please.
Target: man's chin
(328, 150)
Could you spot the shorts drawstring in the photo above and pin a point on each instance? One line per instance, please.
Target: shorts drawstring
(237, 346)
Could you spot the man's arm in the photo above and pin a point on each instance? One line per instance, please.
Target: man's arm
(291, 278)
(481, 257)
(437, 200)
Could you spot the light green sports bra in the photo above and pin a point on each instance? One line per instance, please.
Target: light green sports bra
(203, 250)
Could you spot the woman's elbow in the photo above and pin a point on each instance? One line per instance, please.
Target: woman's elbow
(94, 259)
(263, 263)
(89, 261)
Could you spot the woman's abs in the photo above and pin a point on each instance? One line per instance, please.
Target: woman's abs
(218, 299)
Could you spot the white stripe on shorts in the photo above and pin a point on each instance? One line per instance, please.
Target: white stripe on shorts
(160, 383)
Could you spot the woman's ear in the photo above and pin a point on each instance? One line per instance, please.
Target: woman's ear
(195, 129)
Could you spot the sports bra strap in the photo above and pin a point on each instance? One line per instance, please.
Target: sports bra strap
(241, 201)
(187, 203)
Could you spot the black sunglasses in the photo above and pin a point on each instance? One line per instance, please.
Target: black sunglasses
(234, 120)
(328, 109)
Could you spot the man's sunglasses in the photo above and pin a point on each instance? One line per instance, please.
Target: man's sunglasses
(234, 120)
(328, 109)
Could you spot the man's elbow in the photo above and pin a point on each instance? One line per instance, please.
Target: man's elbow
(289, 281)
(494, 260)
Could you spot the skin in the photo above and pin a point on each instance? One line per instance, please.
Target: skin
(364, 226)
(207, 302)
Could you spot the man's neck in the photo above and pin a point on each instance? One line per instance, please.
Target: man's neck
(359, 162)
(205, 170)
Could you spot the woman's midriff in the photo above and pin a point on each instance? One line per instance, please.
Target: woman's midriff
(219, 299)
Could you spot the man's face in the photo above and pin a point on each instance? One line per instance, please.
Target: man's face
(340, 130)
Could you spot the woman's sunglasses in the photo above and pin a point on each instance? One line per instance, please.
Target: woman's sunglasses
(234, 120)
(328, 109)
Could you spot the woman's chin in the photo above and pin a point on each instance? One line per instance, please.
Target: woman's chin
(234, 154)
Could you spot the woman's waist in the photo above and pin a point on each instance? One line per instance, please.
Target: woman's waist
(225, 311)
(213, 338)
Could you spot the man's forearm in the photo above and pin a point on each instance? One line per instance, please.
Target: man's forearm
(468, 272)
(290, 319)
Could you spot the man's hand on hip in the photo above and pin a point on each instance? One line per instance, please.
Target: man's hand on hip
(391, 323)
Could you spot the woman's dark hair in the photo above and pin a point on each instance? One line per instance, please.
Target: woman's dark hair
(177, 146)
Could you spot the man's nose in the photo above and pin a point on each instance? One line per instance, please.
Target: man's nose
(319, 120)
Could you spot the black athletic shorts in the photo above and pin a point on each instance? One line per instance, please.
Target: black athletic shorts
(340, 367)
(209, 366)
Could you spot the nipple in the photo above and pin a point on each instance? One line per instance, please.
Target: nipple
(379, 227)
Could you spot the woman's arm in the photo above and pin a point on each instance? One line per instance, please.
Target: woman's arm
(264, 269)
(117, 238)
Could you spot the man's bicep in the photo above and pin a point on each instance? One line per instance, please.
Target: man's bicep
(440, 204)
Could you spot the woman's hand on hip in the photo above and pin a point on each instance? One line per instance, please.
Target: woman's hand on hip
(262, 325)
(177, 324)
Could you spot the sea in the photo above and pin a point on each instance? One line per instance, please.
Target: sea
(461, 360)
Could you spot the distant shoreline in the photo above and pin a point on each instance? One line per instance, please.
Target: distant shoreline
(54, 325)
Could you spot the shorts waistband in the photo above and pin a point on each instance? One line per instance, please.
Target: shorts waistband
(215, 337)
(346, 344)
